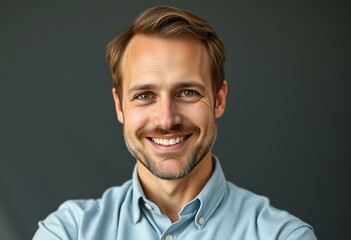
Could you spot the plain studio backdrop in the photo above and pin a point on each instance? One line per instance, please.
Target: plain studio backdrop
(285, 133)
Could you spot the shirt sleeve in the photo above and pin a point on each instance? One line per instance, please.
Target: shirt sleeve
(44, 233)
(302, 233)
(59, 225)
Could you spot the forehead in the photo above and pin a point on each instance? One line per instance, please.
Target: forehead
(145, 44)
(152, 53)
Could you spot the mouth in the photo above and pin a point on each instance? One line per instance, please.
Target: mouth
(168, 141)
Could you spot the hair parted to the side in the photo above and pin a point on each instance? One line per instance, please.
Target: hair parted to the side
(167, 21)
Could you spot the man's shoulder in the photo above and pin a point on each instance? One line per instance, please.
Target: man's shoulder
(245, 195)
(258, 206)
(252, 208)
(82, 217)
(110, 198)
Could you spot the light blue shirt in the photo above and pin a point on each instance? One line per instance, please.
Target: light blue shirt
(221, 211)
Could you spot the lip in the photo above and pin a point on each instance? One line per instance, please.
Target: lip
(168, 148)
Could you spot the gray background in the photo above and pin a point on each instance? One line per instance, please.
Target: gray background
(285, 134)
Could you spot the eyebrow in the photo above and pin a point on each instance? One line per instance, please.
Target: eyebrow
(146, 86)
(149, 86)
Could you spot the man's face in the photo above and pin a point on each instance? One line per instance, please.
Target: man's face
(168, 107)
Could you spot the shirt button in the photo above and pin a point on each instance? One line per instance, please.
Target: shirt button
(169, 237)
(148, 206)
(201, 220)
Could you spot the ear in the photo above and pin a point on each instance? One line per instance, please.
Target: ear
(221, 100)
(118, 106)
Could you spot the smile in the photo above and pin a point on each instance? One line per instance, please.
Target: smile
(168, 142)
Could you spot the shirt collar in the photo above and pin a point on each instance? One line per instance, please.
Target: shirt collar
(210, 196)
(138, 194)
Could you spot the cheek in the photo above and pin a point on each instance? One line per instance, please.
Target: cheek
(135, 119)
(201, 116)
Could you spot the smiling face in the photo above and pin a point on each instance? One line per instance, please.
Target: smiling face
(168, 108)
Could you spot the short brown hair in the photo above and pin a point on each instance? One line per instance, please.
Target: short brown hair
(168, 21)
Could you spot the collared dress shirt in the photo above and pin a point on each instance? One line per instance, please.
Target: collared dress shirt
(220, 211)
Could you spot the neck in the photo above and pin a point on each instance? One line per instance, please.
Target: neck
(172, 195)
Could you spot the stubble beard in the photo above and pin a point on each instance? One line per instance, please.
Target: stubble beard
(198, 152)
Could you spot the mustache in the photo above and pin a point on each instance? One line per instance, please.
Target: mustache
(177, 129)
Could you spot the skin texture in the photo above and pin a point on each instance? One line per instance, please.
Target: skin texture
(167, 98)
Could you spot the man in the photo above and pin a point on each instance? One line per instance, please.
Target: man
(169, 89)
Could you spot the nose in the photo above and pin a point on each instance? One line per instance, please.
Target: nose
(167, 114)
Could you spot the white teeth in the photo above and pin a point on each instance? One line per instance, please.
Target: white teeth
(168, 142)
